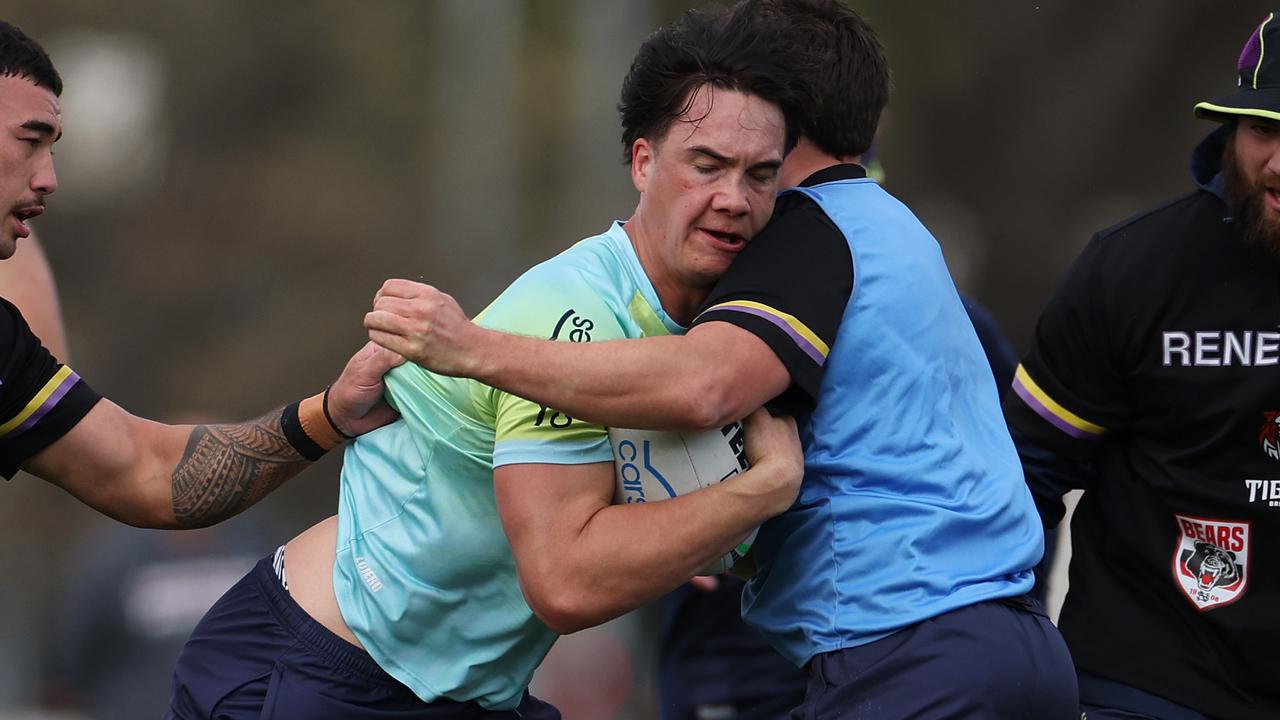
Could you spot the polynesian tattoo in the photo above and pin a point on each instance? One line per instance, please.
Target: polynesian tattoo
(227, 468)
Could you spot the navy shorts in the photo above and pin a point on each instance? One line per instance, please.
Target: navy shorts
(996, 660)
(257, 654)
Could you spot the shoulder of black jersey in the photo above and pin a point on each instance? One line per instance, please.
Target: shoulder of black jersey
(789, 287)
(797, 215)
(793, 203)
(1198, 203)
(1169, 236)
(14, 329)
(10, 315)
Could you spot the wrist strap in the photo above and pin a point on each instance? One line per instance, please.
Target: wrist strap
(315, 422)
(327, 416)
(291, 424)
(307, 428)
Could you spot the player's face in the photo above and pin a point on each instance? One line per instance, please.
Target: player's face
(30, 122)
(706, 187)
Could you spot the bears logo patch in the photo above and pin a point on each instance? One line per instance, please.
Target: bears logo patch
(1269, 436)
(1211, 560)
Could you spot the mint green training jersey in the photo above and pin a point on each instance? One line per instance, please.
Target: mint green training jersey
(424, 575)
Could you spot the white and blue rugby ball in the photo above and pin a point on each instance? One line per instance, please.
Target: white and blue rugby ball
(651, 465)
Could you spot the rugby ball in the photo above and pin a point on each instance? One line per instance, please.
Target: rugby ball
(651, 465)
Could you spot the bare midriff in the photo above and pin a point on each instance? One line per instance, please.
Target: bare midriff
(308, 566)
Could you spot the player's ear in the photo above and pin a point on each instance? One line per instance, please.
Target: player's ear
(642, 154)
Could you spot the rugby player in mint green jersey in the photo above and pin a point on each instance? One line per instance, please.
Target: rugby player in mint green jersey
(479, 526)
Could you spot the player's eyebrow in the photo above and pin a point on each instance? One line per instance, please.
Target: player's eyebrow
(726, 160)
(704, 150)
(766, 165)
(41, 126)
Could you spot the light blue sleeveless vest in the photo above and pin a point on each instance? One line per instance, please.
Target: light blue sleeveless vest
(913, 502)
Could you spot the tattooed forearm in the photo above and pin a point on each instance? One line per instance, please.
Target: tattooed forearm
(227, 468)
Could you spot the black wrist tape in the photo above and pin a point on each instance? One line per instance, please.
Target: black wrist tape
(298, 437)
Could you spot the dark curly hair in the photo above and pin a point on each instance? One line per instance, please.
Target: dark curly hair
(706, 47)
(20, 56)
(837, 66)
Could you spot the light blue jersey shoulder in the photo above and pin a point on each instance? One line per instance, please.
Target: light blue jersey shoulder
(424, 575)
(913, 502)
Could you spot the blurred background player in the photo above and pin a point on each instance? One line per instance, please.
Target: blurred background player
(1151, 385)
(480, 525)
(130, 599)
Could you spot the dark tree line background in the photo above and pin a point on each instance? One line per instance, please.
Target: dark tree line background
(238, 178)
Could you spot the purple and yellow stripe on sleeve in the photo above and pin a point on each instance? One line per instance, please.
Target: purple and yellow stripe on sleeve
(802, 336)
(1050, 410)
(41, 403)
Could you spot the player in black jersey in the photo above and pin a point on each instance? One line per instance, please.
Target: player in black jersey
(54, 426)
(26, 280)
(1153, 385)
